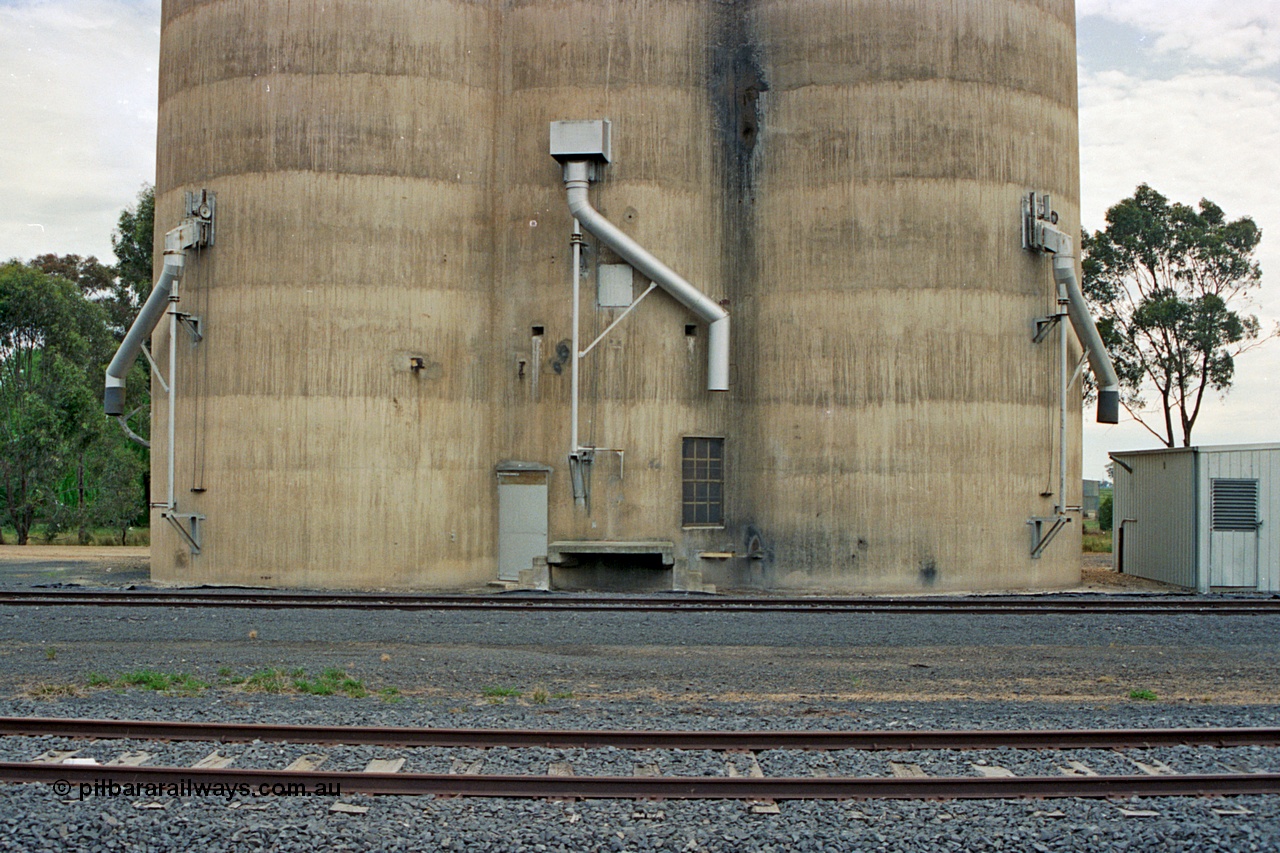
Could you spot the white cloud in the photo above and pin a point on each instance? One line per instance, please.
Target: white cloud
(1243, 32)
(78, 96)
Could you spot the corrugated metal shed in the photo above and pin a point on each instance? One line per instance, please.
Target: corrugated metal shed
(1200, 517)
(1091, 497)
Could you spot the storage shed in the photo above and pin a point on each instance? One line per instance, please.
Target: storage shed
(1200, 517)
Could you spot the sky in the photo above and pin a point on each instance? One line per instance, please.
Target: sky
(1181, 94)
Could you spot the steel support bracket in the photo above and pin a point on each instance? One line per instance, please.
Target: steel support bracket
(190, 533)
(1043, 529)
(1044, 325)
(192, 323)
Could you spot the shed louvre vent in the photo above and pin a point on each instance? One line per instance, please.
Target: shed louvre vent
(1235, 504)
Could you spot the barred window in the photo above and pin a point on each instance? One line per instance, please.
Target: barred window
(703, 475)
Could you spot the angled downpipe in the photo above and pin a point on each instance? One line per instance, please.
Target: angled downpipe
(143, 325)
(194, 231)
(577, 180)
(1064, 273)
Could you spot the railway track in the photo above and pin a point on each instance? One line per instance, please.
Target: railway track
(673, 602)
(746, 769)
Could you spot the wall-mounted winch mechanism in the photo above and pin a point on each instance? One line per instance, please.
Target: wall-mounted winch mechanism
(583, 148)
(1041, 234)
(195, 231)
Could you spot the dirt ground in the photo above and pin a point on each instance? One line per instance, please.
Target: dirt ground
(1098, 576)
(87, 565)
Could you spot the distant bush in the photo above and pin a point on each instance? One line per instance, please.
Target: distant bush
(1104, 513)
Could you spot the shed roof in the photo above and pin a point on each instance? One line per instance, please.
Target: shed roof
(1209, 448)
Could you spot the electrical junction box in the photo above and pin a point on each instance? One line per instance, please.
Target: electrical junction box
(580, 140)
(613, 285)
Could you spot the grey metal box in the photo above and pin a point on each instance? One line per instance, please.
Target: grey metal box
(613, 285)
(580, 140)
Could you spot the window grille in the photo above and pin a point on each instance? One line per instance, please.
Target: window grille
(703, 475)
(1234, 504)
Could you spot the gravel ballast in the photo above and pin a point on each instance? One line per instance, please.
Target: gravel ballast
(32, 817)
(647, 671)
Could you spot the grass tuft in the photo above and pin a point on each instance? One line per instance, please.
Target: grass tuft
(50, 691)
(1143, 695)
(329, 682)
(265, 681)
(173, 684)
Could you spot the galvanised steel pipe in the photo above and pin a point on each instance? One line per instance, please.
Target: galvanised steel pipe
(145, 323)
(1064, 273)
(577, 181)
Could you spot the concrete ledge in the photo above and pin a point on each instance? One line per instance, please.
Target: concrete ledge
(559, 553)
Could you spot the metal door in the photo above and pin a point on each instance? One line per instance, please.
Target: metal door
(1233, 533)
(522, 521)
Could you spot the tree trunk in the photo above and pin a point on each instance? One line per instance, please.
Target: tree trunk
(22, 522)
(84, 527)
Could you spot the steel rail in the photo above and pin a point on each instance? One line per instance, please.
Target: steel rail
(632, 739)
(69, 779)
(1151, 605)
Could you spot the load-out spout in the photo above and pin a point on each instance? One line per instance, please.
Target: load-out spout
(145, 323)
(195, 231)
(577, 181)
(1064, 273)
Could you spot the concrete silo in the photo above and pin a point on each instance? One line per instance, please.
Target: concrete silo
(902, 421)
(383, 395)
(332, 425)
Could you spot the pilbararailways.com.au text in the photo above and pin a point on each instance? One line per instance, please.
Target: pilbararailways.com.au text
(195, 788)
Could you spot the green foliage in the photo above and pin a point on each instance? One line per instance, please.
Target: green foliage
(179, 684)
(132, 242)
(500, 692)
(1143, 695)
(1105, 509)
(63, 467)
(1096, 542)
(1167, 283)
(265, 681)
(51, 339)
(331, 681)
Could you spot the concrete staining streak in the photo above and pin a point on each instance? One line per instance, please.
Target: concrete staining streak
(843, 176)
(736, 85)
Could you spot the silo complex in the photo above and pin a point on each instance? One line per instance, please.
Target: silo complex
(383, 389)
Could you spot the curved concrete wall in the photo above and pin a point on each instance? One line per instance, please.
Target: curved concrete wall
(845, 176)
(350, 147)
(900, 413)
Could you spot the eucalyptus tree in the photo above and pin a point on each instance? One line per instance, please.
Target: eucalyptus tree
(1171, 285)
(51, 341)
